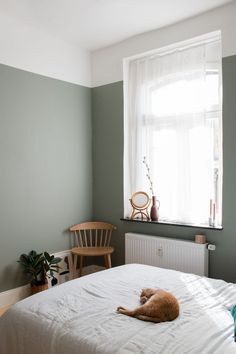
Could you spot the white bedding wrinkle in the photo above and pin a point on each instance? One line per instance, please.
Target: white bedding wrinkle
(79, 317)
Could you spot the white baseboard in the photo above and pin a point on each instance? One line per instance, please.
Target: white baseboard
(10, 297)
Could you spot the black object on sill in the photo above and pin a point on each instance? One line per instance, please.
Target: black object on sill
(172, 224)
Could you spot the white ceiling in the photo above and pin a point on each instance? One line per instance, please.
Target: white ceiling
(93, 24)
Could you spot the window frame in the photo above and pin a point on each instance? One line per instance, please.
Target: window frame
(214, 110)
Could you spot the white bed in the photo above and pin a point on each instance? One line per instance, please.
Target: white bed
(79, 317)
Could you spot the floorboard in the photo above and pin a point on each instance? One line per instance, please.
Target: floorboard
(4, 309)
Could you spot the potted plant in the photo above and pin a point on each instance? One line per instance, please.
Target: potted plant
(39, 266)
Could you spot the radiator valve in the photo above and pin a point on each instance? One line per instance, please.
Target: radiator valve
(211, 247)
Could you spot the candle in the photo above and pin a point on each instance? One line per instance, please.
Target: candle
(210, 208)
(214, 211)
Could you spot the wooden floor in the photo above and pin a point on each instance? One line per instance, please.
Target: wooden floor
(3, 309)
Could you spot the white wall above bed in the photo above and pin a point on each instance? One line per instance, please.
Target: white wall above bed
(107, 63)
(30, 49)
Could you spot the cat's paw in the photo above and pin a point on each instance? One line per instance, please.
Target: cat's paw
(119, 308)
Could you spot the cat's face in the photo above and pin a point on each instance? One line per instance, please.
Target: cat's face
(143, 292)
(147, 292)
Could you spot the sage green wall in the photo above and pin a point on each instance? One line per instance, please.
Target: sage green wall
(107, 113)
(46, 165)
(46, 156)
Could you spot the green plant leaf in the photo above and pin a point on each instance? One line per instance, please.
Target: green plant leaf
(47, 256)
(39, 265)
(56, 260)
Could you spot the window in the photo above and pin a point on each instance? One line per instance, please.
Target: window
(173, 117)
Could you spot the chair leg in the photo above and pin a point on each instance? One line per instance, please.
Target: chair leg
(81, 266)
(109, 260)
(106, 262)
(75, 266)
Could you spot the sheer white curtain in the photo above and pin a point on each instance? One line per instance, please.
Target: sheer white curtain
(173, 118)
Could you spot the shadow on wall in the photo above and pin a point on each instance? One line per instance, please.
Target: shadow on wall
(13, 274)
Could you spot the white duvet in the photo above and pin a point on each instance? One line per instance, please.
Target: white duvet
(79, 317)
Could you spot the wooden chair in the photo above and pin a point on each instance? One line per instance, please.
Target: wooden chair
(92, 239)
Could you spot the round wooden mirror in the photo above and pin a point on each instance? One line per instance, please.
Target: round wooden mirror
(140, 201)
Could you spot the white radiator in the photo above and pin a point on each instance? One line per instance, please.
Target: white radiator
(186, 256)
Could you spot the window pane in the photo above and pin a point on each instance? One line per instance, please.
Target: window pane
(182, 95)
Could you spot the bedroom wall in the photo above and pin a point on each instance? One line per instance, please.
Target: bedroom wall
(46, 166)
(28, 48)
(46, 150)
(45, 143)
(107, 105)
(107, 63)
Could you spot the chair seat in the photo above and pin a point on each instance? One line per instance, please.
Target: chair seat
(92, 251)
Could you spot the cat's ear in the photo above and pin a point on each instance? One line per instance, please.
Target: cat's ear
(142, 292)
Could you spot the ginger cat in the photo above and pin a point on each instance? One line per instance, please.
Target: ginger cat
(157, 306)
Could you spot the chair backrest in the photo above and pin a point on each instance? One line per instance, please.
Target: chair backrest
(92, 234)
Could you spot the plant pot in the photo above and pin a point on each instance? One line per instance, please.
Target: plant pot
(37, 288)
